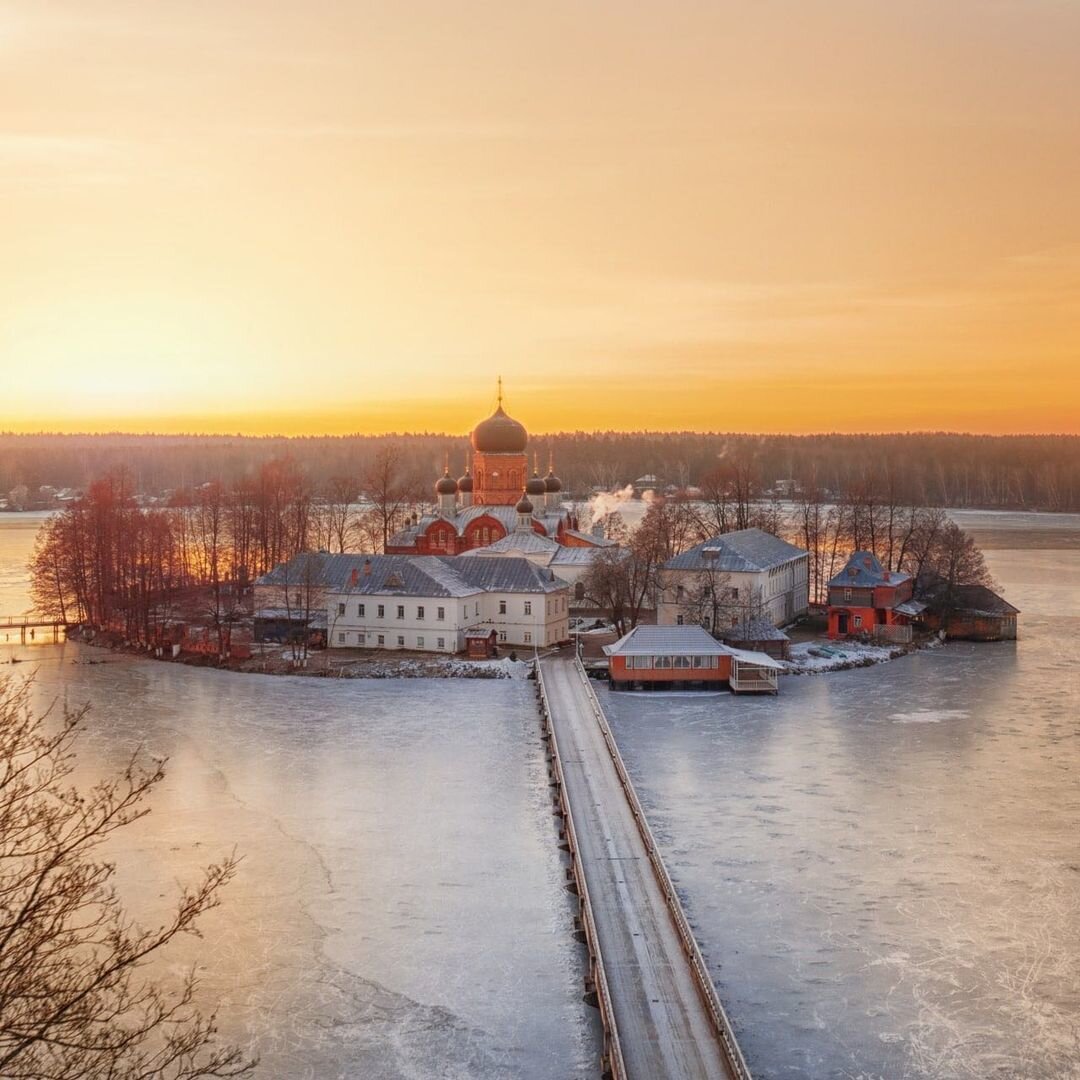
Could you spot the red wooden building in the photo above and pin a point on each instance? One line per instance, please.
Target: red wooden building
(666, 657)
(865, 598)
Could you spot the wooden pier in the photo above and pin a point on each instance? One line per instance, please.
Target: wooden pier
(27, 627)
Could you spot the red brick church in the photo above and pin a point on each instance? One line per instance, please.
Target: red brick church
(495, 498)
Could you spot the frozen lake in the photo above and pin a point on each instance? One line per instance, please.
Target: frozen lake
(400, 909)
(883, 865)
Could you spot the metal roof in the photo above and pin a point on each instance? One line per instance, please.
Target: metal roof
(745, 551)
(973, 600)
(411, 575)
(864, 571)
(667, 641)
(524, 540)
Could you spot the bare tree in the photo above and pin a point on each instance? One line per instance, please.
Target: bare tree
(75, 1003)
(389, 489)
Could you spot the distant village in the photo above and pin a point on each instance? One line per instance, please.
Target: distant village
(656, 586)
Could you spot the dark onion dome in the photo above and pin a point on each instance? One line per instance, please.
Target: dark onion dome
(499, 434)
(536, 485)
(524, 506)
(464, 484)
(551, 482)
(447, 485)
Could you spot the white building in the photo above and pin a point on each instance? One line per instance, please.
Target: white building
(749, 574)
(423, 602)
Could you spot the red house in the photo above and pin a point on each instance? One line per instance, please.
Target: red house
(865, 598)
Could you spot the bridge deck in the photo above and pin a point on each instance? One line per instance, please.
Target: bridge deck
(664, 1025)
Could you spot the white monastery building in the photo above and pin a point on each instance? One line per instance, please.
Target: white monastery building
(426, 603)
(756, 575)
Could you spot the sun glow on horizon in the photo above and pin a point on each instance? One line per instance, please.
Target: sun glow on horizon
(315, 220)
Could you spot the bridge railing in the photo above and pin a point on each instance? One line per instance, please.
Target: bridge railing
(702, 979)
(603, 994)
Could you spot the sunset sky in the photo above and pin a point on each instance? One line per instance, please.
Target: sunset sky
(268, 215)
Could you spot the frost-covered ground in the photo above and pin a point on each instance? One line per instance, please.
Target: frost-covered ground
(841, 656)
(882, 865)
(400, 911)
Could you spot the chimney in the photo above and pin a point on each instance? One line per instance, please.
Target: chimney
(367, 568)
(354, 578)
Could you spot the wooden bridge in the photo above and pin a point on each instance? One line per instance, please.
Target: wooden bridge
(28, 625)
(661, 1013)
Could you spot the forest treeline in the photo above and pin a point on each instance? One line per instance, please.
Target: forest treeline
(935, 469)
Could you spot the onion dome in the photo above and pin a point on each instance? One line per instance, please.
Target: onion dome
(524, 506)
(499, 434)
(465, 483)
(447, 485)
(551, 482)
(536, 485)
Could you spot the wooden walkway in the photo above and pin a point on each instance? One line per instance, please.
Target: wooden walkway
(662, 1016)
(26, 626)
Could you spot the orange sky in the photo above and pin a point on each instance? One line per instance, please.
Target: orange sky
(340, 216)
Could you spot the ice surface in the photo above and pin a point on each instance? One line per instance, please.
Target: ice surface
(882, 865)
(400, 909)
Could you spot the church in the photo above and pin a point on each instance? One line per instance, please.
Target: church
(494, 499)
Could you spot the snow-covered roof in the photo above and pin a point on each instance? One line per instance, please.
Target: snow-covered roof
(758, 659)
(667, 641)
(526, 541)
(911, 608)
(745, 551)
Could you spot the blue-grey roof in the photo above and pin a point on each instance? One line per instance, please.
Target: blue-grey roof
(666, 641)
(411, 575)
(864, 571)
(745, 551)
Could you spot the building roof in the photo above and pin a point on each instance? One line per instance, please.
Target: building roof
(411, 575)
(911, 608)
(757, 659)
(975, 600)
(526, 541)
(864, 571)
(745, 551)
(499, 434)
(753, 629)
(666, 641)
(592, 539)
(574, 556)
